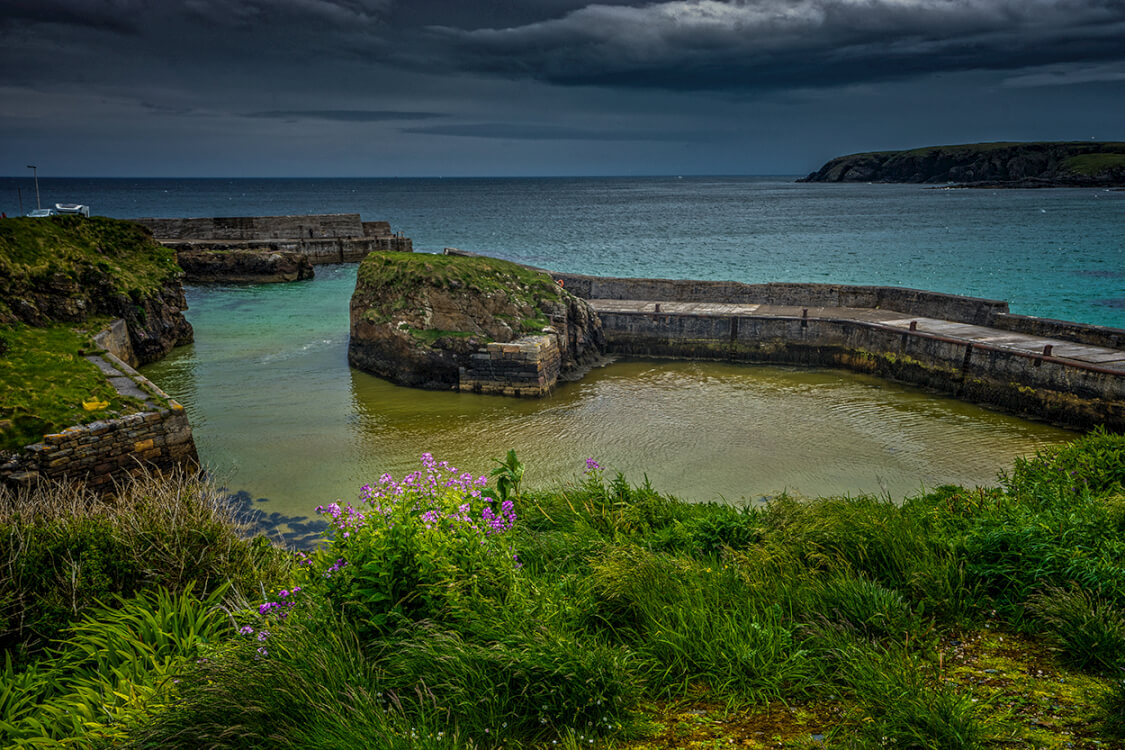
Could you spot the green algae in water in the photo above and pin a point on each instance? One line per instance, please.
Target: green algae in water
(277, 412)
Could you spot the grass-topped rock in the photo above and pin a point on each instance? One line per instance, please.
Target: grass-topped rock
(425, 320)
(1045, 164)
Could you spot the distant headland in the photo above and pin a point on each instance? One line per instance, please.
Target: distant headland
(1016, 165)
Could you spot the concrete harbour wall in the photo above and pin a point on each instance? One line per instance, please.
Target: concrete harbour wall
(910, 301)
(259, 227)
(1068, 392)
(323, 238)
(1030, 384)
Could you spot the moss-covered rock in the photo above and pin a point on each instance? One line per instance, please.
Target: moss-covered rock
(417, 319)
(68, 269)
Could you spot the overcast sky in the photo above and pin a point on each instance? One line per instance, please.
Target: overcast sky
(540, 87)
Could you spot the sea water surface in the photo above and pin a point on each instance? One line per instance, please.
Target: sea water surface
(278, 414)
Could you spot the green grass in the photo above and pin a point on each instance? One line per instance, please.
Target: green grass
(958, 619)
(1111, 148)
(63, 548)
(72, 255)
(389, 281)
(69, 275)
(44, 381)
(1095, 164)
(407, 271)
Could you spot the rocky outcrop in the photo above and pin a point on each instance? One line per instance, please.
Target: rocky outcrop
(1076, 164)
(71, 268)
(157, 324)
(243, 266)
(419, 320)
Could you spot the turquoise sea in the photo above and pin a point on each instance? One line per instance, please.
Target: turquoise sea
(279, 415)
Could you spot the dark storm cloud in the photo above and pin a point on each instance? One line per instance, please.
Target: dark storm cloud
(532, 132)
(769, 44)
(344, 115)
(110, 15)
(254, 13)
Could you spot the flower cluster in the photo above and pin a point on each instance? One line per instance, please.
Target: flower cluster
(427, 491)
(282, 605)
(592, 466)
(262, 636)
(496, 523)
(340, 562)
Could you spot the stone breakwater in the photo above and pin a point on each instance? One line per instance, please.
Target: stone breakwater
(271, 248)
(973, 349)
(157, 437)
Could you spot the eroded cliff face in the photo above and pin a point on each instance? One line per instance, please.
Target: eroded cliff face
(418, 319)
(1077, 164)
(157, 324)
(155, 319)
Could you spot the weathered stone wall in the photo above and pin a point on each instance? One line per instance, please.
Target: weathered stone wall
(1064, 392)
(376, 229)
(114, 338)
(913, 301)
(318, 251)
(157, 437)
(528, 366)
(256, 227)
(99, 452)
(1062, 329)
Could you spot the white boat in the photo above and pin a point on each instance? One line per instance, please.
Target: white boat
(72, 208)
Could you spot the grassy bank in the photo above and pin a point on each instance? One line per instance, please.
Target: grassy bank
(445, 613)
(44, 382)
(61, 280)
(73, 257)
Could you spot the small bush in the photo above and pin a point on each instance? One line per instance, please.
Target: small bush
(524, 685)
(428, 547)
(862, 606)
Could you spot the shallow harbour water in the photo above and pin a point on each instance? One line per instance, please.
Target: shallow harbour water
(278, 413)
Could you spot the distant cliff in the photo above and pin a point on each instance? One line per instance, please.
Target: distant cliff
(1075, 164)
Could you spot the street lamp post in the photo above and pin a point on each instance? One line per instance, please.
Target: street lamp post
(35, 172)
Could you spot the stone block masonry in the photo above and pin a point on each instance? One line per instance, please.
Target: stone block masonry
(528, 366)
(201, 243)
(316, 226)
(158, 437)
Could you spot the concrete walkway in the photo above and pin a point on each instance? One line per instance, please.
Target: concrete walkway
(1094, 356)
